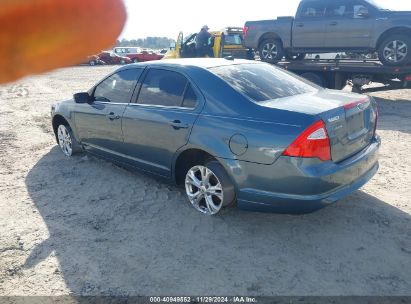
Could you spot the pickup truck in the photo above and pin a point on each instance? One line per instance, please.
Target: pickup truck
(323, 26)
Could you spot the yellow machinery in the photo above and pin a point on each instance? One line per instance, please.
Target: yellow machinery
(228, 42)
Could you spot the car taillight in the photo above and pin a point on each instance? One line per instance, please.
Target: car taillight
(313, 142)
(376, 120)
(245, 30)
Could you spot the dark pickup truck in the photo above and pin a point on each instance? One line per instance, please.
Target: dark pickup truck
(323, 26)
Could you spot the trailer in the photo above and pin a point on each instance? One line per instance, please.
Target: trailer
(336, 74)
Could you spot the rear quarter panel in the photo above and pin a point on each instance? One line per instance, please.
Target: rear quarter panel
(245, 139)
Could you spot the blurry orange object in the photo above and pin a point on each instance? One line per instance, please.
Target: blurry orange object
(40, 35)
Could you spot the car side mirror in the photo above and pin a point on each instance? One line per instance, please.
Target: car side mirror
(83, 97)
(363, 12)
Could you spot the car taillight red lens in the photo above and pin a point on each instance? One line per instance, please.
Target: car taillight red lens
(313, 142)
(245, 30)
(376, 120)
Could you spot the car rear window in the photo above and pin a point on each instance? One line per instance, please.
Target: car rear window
(262, 82)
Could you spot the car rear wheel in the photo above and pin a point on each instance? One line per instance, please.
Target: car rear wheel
(209, 188)
(67, 142)
(395, 50)
(271, 51)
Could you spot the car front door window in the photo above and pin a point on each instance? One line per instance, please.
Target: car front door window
(117, 88)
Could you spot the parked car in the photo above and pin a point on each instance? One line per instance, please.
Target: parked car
(128, 51)
(94, 60)
(229, 131)
(148, 55)
(113, 58)
(227, 42)
(137, 54)
(322, 26)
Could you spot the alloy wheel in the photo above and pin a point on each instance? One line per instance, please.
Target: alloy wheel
(270, 51)
(395, 51)
(204, 190)
(65, 140)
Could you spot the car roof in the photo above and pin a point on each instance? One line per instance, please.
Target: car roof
(204, 63)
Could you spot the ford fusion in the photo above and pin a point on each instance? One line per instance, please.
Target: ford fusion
(229, 131)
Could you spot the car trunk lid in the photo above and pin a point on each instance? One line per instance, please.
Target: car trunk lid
(350, 119)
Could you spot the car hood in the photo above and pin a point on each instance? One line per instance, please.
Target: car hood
(313, 103)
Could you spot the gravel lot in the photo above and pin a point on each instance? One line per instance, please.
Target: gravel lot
(83, 226)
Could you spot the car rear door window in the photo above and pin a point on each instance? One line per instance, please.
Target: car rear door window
(190, 98)
(117, 88)
(162, 88)
(338, 9)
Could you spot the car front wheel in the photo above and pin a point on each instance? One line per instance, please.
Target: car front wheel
(67, 141)
(395, 50)
(209, 188)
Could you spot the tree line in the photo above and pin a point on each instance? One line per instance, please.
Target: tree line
(149, 42)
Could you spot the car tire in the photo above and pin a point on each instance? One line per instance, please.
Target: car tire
(209, 188)
(92, 63)
(122, 61)
(136, 60)
(292, 57)
(271, 50)
(66, 140)
(395, 50)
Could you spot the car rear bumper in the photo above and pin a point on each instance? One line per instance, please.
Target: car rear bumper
(296, 185)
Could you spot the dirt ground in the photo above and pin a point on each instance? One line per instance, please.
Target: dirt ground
(83, 226)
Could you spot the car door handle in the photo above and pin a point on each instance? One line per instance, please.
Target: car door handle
(334, 23)
(177, 124)
(113, 116)
(300, 24)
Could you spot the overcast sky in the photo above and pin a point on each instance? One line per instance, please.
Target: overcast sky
(166, 18)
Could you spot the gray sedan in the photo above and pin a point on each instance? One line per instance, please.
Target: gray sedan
(229, 131)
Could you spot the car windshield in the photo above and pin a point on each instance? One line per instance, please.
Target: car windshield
(263, 82)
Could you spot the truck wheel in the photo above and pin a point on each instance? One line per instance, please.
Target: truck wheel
(271, 51)
(315, 78)
(395, 50)
(298, 56)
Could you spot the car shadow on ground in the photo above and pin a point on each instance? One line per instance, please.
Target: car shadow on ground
(118, 233)
(401, 109)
